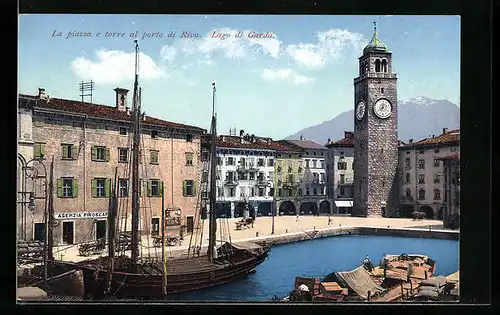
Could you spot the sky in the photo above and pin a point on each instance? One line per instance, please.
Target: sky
(284, 73)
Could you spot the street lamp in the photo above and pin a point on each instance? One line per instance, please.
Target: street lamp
(31, 204)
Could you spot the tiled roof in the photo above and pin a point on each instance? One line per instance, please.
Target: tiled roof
(445, 138)
(234, 142)
(346, 142)
(450, 157)
(100, 111)
(306, 144)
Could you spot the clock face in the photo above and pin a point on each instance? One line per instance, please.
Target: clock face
(382, 108)
(360, 110)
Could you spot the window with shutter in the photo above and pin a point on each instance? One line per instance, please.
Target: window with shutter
(100, 154)
(184, 190)
(39, 149)
(153, 157)
(94, 187)
(59, 187)
(154, 188)
(107, 187)
(75, 188)
(68, 151)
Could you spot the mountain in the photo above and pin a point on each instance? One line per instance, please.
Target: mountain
(418, 118)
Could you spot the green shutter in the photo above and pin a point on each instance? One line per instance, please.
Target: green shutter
(75, 188)
(106, 150)
(149, 188)
(42, 149)
(107, 187)
(59, 187)
(161, 187)
(94, 153)
(94, 187)
(65, 151)
(184, 188)
(194, 188)
(73, 153)
(37, 149)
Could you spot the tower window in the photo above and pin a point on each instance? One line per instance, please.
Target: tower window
(377, 65)
(382, 90)
(384, 65)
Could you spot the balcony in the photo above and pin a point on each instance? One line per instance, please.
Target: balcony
(247, 167)
(261, 182)
(345, 182)
(290, 184)
(407, 199)
(230, 182)
(377, 75)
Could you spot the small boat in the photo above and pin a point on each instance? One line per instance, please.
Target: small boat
(395, 279)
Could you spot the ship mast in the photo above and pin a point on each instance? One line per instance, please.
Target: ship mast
(213, 160)
(136, 116)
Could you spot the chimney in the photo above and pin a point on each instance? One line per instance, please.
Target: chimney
(329, 141)
(127, 109)
(242, 132)
(222, 138)
(144, 116)
(445, 130)
(410, 141)
(349, 134)
(121, 99)
(302, 137)
(41, 93)
(433, 136)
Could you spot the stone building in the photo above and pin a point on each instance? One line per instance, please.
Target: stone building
(421, 178)
(313, 185)
(375, 130)
(88, 143)
(451, 190)
(289, 172)
(340, 173)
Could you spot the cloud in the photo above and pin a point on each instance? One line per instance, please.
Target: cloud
(285, 74)
(331, 46)
(230, 47)
(114, 66)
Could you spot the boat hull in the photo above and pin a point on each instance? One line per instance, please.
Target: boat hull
(179, 278)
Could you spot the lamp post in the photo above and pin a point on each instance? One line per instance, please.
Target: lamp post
(32, 172)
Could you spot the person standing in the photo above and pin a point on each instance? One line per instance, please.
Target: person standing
(329, 220)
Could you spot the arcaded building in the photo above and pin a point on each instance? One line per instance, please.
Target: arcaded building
(422, 175)
(89, 144)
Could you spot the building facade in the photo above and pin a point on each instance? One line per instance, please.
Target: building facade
(451, 189)
(289, 172)
(245, 175)
(313, 185)
(89, 144)
(375, 129)
(340, 173)
(421, 179)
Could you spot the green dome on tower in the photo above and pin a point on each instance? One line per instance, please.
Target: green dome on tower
(375, 44)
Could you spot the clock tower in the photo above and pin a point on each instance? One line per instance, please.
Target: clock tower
(375, 132)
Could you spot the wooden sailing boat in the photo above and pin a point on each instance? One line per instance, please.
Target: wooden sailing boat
(131, 277)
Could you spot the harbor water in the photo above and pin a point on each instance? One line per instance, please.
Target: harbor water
(320, 257)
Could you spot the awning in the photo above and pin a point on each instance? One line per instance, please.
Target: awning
(343, 203)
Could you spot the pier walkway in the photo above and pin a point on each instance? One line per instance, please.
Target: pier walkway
(283, 226)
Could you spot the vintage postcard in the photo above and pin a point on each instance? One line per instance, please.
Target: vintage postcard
(254, 158)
